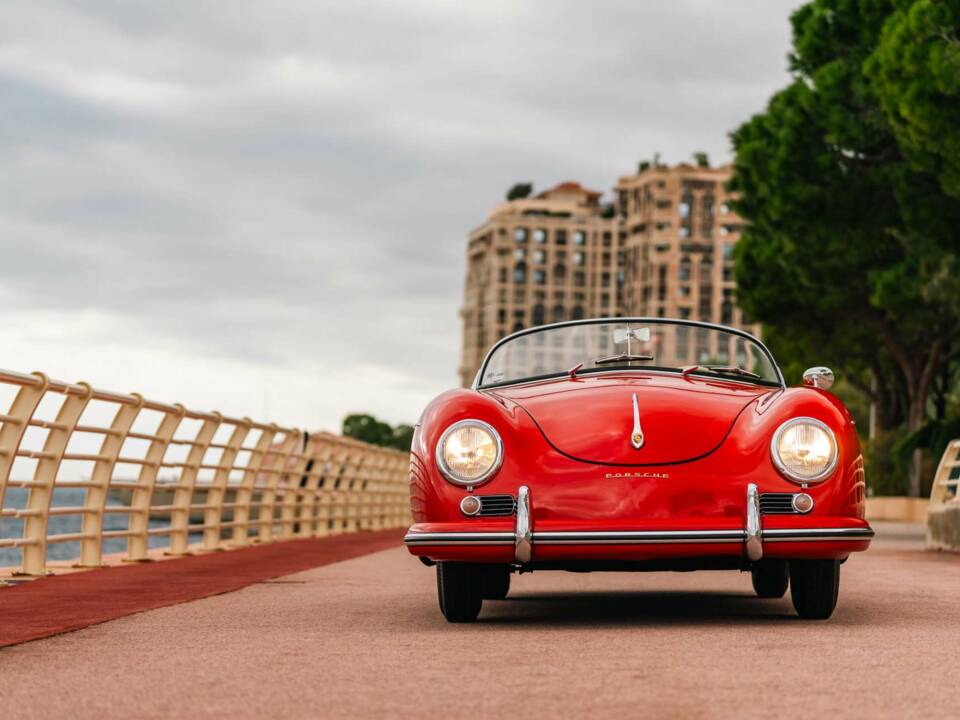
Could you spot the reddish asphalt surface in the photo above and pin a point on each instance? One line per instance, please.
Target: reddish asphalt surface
(364, 638)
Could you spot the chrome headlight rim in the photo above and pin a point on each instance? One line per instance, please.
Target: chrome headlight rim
(448, 474)
(799, 479)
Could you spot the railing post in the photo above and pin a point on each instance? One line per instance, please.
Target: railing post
(213, 512)
(244, 494)
(138, 542)
(275, 474)
(91, 546)
(183, 495)
(45, 478)
(14, 426)
(292, 496)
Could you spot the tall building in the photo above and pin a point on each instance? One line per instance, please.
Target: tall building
(678, 253)
(663, 249)
(538, 260)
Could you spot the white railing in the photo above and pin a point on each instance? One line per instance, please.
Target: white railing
(943, 514)
(183, 480)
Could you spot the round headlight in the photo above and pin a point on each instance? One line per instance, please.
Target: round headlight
(469, 452)
(804, 450)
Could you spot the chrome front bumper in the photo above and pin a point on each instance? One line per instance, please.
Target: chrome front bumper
(752, 536)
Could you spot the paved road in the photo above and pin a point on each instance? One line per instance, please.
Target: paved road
(364, 638)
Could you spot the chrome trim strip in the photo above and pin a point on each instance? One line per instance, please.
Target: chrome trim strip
(523, 534)
(812, 534)
(459, 538)
(753, 531)
(636, 438)
(637, 537)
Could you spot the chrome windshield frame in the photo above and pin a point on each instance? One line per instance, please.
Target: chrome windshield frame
(606, 321)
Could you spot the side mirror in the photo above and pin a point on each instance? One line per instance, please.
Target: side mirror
(818, 377)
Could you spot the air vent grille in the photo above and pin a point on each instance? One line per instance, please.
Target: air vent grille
(497, 505)
(777, 504)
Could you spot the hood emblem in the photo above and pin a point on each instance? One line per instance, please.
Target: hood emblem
(636, 437)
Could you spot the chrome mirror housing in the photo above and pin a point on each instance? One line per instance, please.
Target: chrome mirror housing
(818, 377)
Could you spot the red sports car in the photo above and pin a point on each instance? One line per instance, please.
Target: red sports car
(636, 444)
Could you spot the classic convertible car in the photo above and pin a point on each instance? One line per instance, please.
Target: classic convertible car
(636, 444)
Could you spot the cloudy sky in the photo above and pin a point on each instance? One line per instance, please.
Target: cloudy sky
(262, 207)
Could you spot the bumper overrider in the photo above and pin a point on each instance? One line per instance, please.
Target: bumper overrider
(754, 540)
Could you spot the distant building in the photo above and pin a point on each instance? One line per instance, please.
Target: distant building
(538, 260)
(663, 250)
(678, 252)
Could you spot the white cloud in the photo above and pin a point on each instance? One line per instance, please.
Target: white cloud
(222, 206)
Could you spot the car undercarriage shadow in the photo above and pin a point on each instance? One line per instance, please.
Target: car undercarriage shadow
(628, 607)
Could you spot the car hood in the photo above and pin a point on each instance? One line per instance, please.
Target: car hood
(590, 418)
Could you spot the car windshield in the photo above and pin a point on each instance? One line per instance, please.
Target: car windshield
(610, 345)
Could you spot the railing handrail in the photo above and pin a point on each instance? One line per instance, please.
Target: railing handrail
(285, 484)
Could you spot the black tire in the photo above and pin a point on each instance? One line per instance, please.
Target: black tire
(770, 578)
(814, 586)
(496, 582)
(459, 590)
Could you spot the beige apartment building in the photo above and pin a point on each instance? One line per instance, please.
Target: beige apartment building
(663, 249)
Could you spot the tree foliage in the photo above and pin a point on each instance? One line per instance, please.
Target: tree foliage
(519, 191)
(367, 428)
(850, 254)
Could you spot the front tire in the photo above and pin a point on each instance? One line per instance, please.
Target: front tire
(459, 591)
(770, 578)
(496, 582)
(814, 586)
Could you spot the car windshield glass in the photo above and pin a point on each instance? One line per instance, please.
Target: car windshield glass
(617, 345)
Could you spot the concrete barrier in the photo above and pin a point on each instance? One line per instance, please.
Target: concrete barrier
(897, 509)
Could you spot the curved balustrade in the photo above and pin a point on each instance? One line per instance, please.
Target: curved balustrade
(182, 480)
(943, 514)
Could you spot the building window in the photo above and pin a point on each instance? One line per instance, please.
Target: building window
(579, 279)
(726, 313)
(728, 251)
(684, 231)
(684, 209)
(539, 277)
(540, 235)
(561, 237)
(578, 258)
(539, 314)
(519, 254)
(724, 230)
(539, 257)
(559, 273)
(503, 274)
(577, 313)
(501, 315)
(520, 272)
(607, 239)
(606, 259)
(605, 280)
(728, 274)
(579, 237)
(683, 273)
(520, 235)
(558, 313)
(724, 209)
(683, 291)
(683, 313)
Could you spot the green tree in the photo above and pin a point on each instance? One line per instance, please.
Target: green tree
(848, 253)
(365, 427)
(519, 191)
(916, 73)
(701, 159)
(643, 166)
